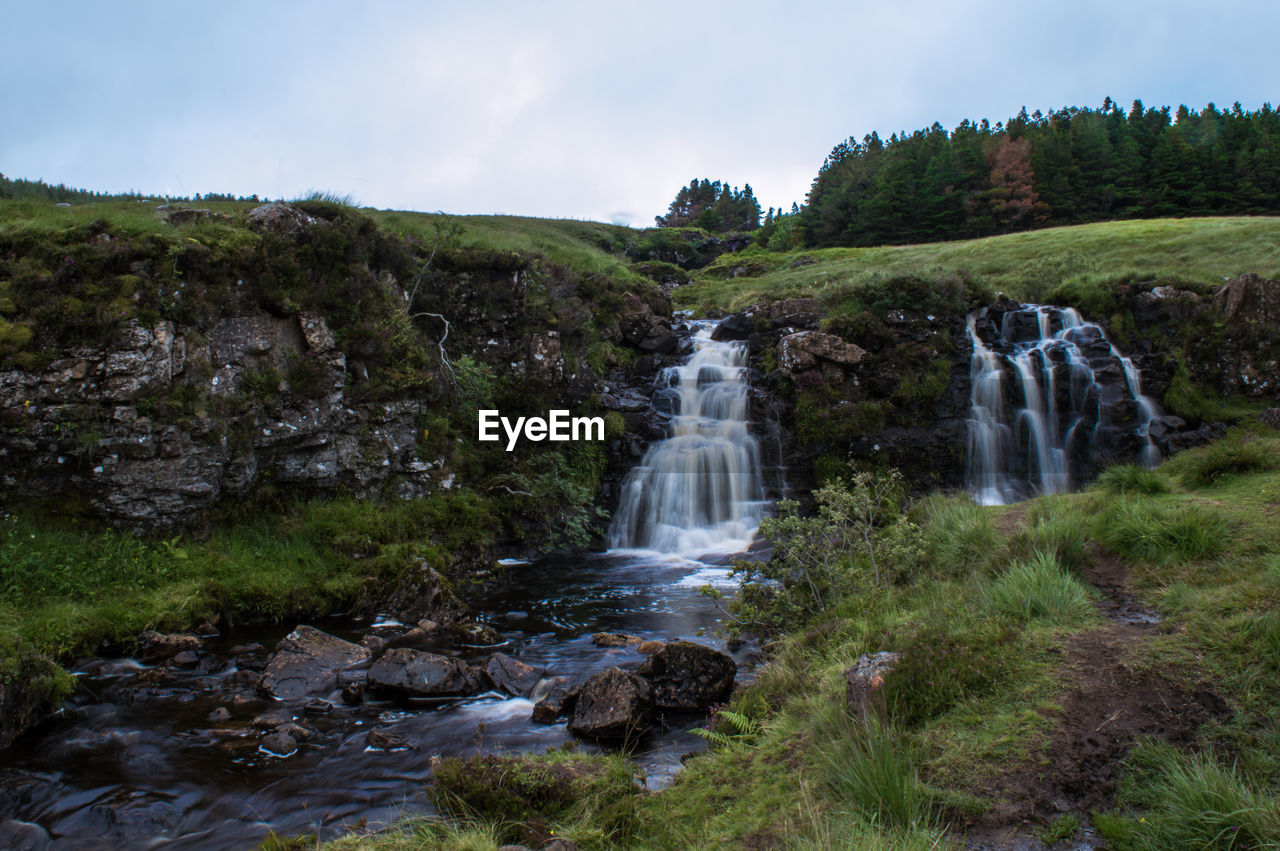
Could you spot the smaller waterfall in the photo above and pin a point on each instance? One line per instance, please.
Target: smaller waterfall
(700, 489)
(1074, 399)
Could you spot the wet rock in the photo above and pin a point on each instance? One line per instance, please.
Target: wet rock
(307, 661)
(317, 706)
(272, 718)
(185, 659)
(23, 836)
(403, 672)
(614, 639)
(688, 676)
(220, 715)
(156, 647)
(648, 648)
(384, 741)
(478, 635)
(865, 680)
(241, 649)
(422, 593)
(373, 643)
(805, 349)
(1206, 433)
(553, 699)
(428, 625)
(739, 326)
(279, 744)
(612, 705)
(511, 675)
(296, 731)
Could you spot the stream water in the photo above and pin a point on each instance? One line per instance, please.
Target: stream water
(145, 757)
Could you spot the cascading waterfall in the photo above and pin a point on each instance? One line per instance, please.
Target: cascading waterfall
(700, 489)
(1071, 394)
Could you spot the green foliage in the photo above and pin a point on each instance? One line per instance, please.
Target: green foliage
(852, 545)
(714, 207)
(1192, 801)
(1237, 455)
(1145, 531)
(1132, 478)
(942, 664)
(868, 769)
(529, 799)
(1060, 829)
(958, 535)
(1038, 588)
(727, 729)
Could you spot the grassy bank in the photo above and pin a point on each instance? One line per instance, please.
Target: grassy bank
(1024, 265)
(1030, 696)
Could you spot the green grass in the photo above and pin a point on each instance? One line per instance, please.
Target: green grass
(1237, 455)
(1038, 588)
(1197, 251)
(1125, 478)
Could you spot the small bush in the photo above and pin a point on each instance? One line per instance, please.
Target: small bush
(942, 665)
(1131, 478)
(1039, 589)
(1140, 531)
(1233, 456)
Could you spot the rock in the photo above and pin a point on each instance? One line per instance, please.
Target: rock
(660, 341)
(614, 639)
(317, 706)
(220, 715)
(1250, 298)
(864, 681)
(553, 698)
(804, 349)
(477, 635)
(738, 326)
(1179, 441)
(612, 705)
(273, 718)
(1270, 417)
(511, 675)
(422, 593)
(179, 216)
(403, 672)
(280, 217)
(307, 661)
(384, 741)
(297, 731)
(1162, 427)
(279, 744)
(185, 659)
(373, 643)
(795, 313)
(648, 648)
(688, 676)
(156, 647)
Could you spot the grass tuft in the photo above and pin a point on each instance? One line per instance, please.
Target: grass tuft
(1235, 456)
(1131, 478)
(1038, 588)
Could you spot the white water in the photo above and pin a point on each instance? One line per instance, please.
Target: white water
(699, 491)
(1045, 445)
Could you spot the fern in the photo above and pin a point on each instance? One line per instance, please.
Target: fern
(742, 730)
(715, 737)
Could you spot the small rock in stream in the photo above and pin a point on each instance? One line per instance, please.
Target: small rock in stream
(317, 706)
(296, 731)
(614, 639)
(272, 718)
(382, 740)
(185, 659)
(613, 705)
(220, 715)
(511, 675)
(279, 744)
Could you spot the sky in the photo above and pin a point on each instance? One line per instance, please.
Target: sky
(591, 110)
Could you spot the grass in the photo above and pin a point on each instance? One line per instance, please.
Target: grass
(1038, 588)
(1197, 251)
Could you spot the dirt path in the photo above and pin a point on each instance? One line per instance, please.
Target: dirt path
(1111, 700)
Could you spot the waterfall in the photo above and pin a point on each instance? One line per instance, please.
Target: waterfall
(699, 490)
(1074, 400)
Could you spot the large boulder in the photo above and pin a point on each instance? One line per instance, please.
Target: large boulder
(280, 217)
(421, 593)
(688, 676)
(805, 349)
(738, 326)
(553, 699)
(307, 661)
(404, 672)
(612, 705)
(795, 313)
(512, 676)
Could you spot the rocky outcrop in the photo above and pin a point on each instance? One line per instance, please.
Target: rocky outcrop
(86, 423)
(406, 673)
(687, 676)
(806, 349)
(612, 705)
(306, 663)
(280, 218)
(419, 593)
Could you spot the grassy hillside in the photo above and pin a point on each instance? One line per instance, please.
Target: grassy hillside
(1107, 659)
(1023, 265)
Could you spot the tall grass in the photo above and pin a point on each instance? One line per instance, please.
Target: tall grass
(1131, 478)
(1237, 455)
(1140, 530)
(959, 535)
(1039, 589)
(1192, 801)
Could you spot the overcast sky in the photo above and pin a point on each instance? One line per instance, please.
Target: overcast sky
(593, 110)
